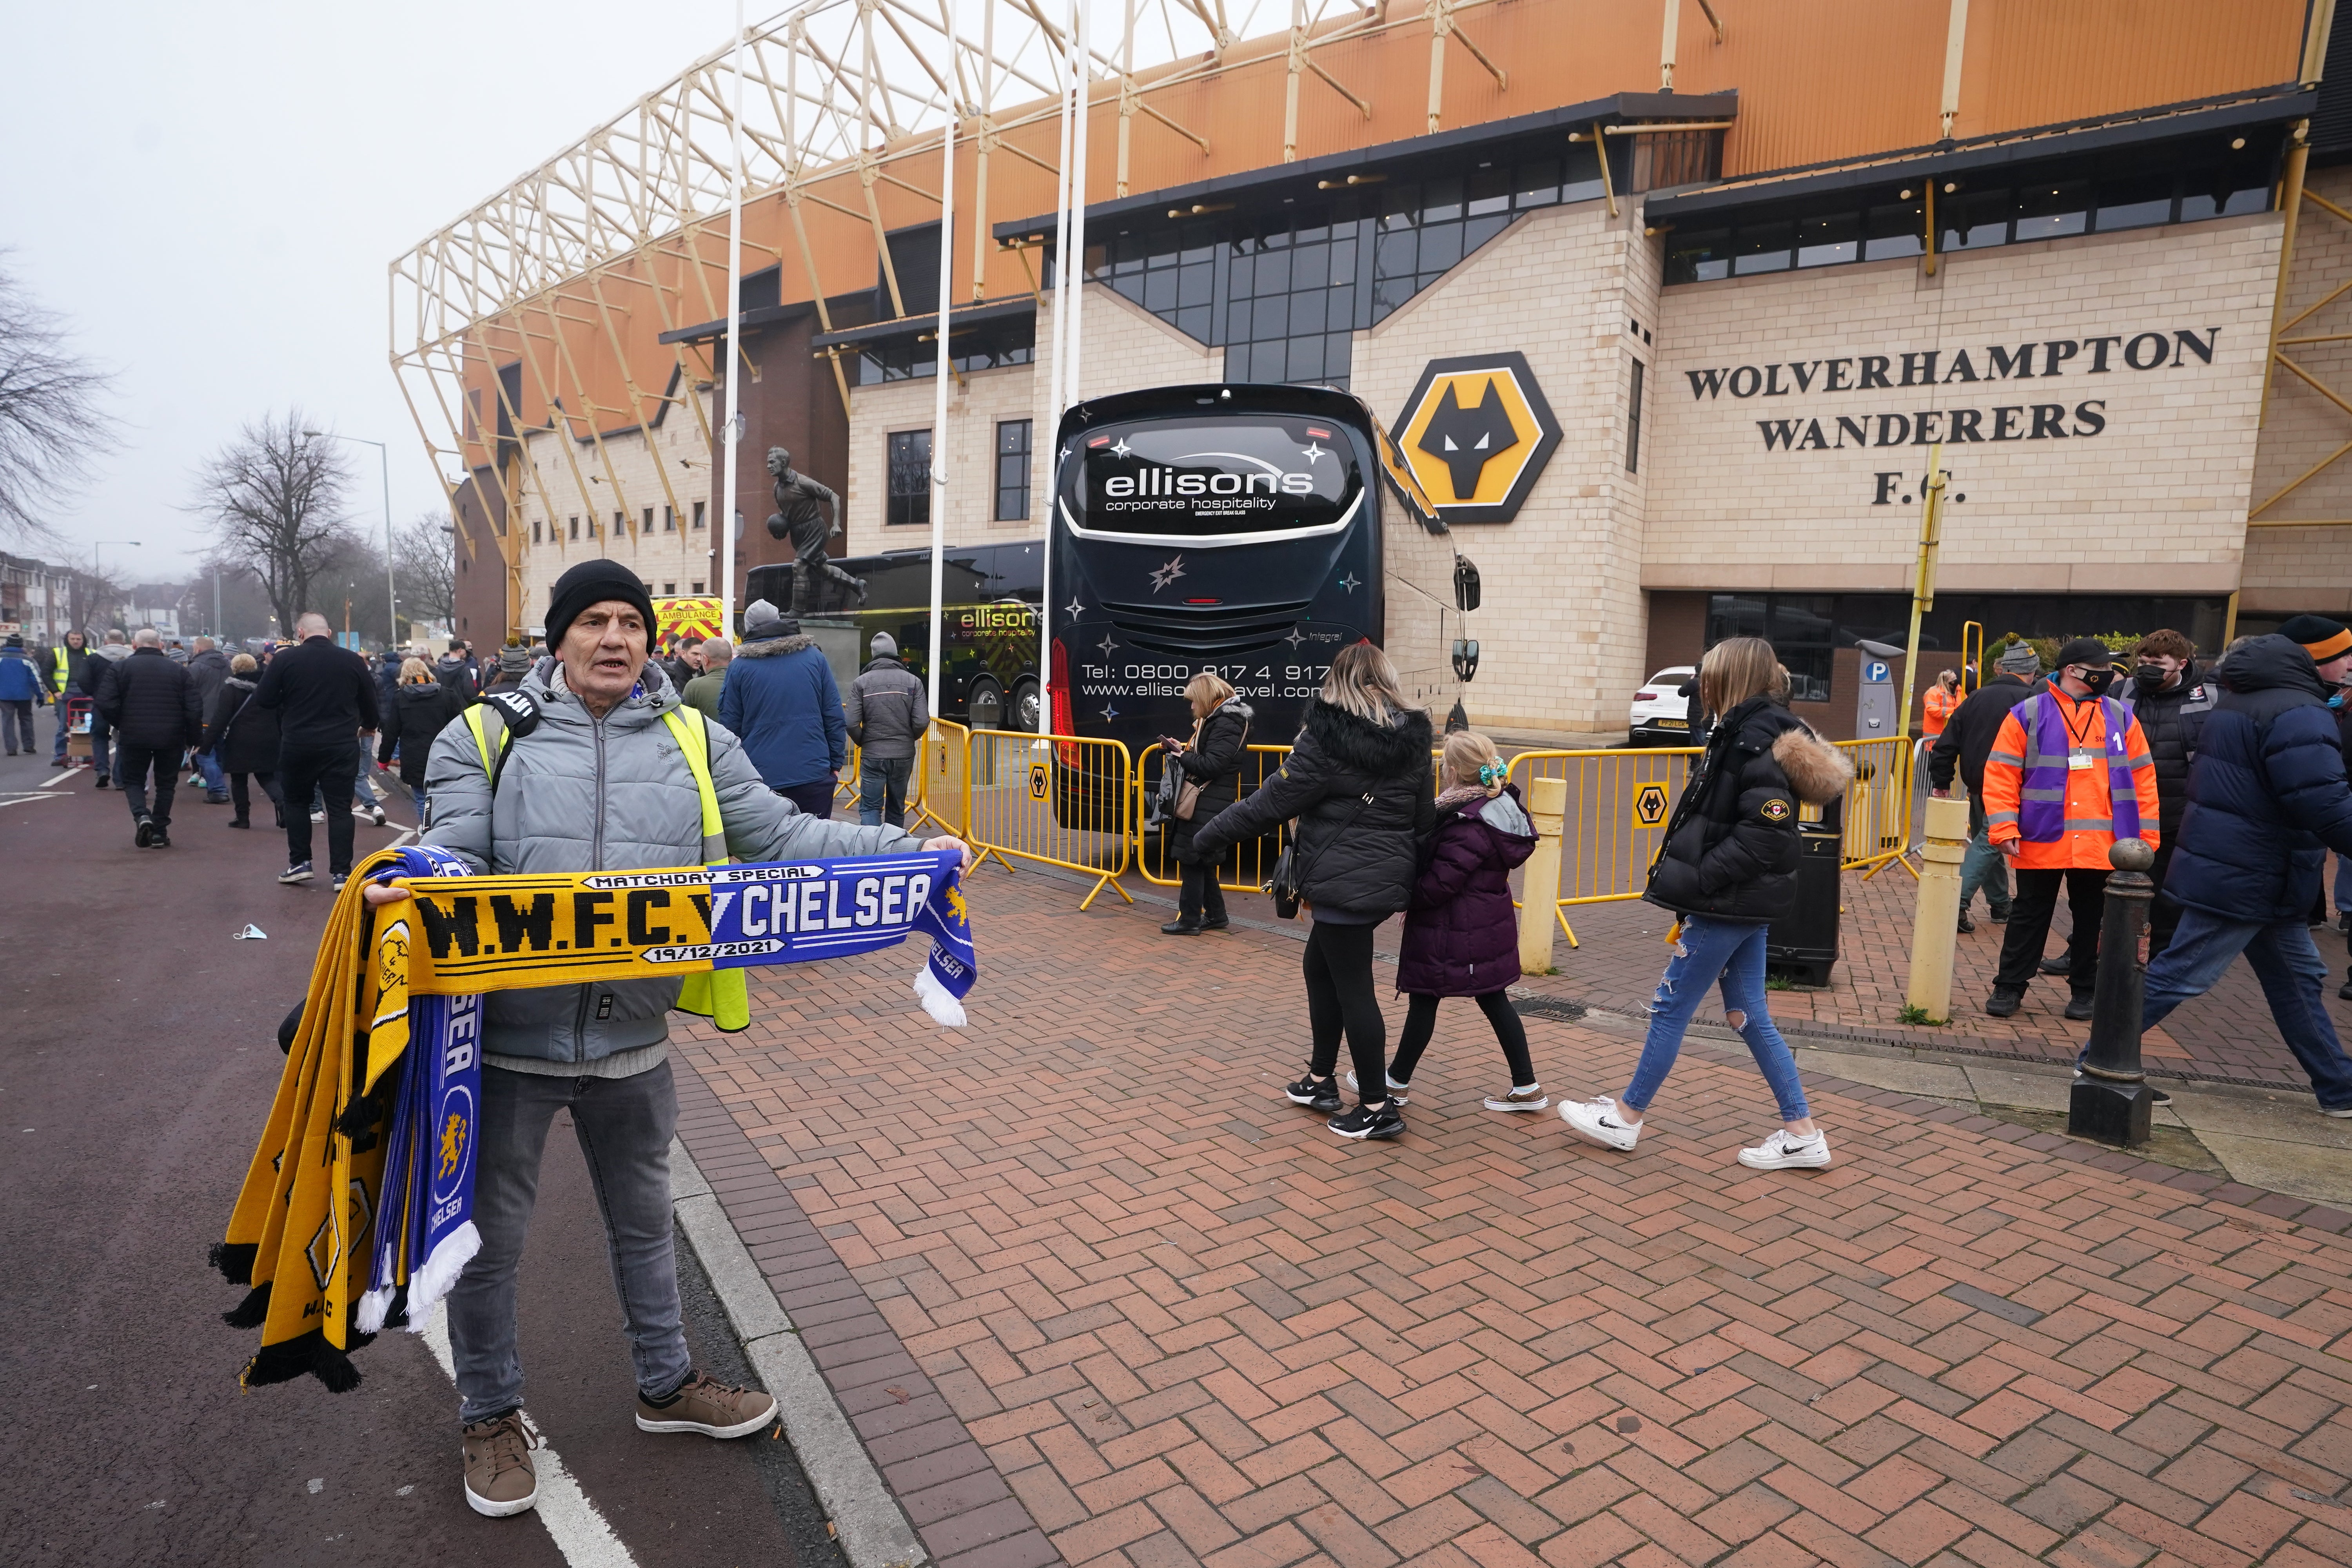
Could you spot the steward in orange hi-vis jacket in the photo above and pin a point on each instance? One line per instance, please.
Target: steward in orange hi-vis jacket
(2068, 774)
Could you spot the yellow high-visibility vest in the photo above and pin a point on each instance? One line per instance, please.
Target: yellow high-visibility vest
(723, 997)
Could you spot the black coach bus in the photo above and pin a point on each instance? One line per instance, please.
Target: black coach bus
(1232, 529)
(989, 602)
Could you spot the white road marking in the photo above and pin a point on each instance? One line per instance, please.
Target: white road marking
(572, 1522)
(65, 777)
(23, 799)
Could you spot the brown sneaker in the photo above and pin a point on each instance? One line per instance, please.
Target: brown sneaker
(703, 1403)
(500, 1479)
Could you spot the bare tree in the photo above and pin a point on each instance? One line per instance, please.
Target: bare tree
(275, 500)
(425, 567)
(49, 423)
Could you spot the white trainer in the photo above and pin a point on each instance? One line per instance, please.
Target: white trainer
(1783, 1152)
(1596, 1121)
(1399, 1093)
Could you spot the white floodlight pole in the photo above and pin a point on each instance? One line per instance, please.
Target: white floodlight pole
(734, 332)
(937, 656)
(1056, 385)
(1082, 85)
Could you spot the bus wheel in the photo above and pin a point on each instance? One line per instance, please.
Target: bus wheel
(1024, 706)
(985, 707)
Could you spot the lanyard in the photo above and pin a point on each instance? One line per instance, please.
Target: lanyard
(2090, 707)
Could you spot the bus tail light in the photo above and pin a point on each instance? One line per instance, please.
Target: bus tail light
(1065, 716)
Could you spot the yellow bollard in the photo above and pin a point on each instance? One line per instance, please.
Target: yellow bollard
(1937, 929)
(1539, 897)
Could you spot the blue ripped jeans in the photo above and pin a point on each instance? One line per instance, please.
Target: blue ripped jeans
(1730, 952)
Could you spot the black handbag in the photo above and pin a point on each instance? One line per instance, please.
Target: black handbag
(1289, 880)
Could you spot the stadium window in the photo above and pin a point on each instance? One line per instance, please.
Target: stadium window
(648, 527)
(670, 520)
(910, 477)
(698, 586)
(698, 520)
(1634, 421)
(668, 589)
(1012, 471)
(575, 528)
(534, 531)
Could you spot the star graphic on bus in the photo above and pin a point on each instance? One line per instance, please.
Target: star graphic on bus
(1106, 645)
(1110, 713)
(1295, 638)
(1167, 573)
(1313, 450)
(1122, 448)
(1076, 608)
(1352, 582)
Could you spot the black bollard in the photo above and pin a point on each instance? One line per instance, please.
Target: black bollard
(2110, 1103)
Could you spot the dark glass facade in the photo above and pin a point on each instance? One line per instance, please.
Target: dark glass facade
(1975, 212)
(985, 345)
(1281, 289)
(909, 500)
(1013, 441)
(1806, 629)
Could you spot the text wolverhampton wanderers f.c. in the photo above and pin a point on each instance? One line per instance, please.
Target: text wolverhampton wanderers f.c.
(356, 1211)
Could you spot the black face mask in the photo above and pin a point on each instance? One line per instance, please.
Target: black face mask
(2151, 676)
(2098, 680)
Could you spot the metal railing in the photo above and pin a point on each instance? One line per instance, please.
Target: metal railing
(1247, 866)
(1618, 805)
(1058, 800)
(937, 792)
(1878, 804)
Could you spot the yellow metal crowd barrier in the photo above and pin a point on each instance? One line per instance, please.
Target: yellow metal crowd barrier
(1247, 866)
(1059, 800)
(936, 793)
(1618, 805)
(1878, 804)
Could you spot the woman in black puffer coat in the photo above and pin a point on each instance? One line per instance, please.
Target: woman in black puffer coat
(243, 739)
(1358, 780)
(421, 705)
(1212, 759)
(1728, 870)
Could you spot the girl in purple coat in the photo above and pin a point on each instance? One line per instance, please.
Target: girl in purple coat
(1461, 931)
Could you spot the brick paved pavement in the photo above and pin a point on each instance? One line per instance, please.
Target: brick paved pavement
(2226, 1034)
(1182, 1322)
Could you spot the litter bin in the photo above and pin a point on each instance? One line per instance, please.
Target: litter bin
(1803, 944)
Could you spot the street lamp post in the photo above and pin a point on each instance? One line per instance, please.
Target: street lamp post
(96, 569)
(383, 459)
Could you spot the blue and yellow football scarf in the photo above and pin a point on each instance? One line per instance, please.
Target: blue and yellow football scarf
(356, 1211)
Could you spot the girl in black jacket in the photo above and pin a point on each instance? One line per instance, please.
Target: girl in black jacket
(1358, 780)
(1212, 760)
(1728, 870)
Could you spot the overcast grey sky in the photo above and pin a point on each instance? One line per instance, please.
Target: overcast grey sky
(210, 196)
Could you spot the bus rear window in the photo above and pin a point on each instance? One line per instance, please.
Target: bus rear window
(1194, 476)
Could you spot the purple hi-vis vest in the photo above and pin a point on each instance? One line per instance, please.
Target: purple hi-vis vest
(2042, 793)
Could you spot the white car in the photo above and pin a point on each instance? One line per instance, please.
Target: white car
(1661, 713)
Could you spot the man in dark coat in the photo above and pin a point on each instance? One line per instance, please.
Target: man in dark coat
(2170, 697)
(455, 672)
(2267, 797)
(208, 668)
(156, 714)
(1967, 736)
(780, 701)
(887, 710)
(325, 698)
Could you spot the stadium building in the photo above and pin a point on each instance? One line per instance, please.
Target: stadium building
(1704, 281)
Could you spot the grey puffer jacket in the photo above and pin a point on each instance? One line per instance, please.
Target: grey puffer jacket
(581, 793)
(887, 710)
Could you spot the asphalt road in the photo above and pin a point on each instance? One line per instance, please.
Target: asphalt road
(138, 1056)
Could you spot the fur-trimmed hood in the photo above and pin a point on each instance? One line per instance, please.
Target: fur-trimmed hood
(775, 647)
(1816, 770)
(1361, 746)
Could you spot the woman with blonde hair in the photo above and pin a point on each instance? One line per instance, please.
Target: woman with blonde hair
(243, 739)
(1357, 780)
(1211, 762)
(1728, 870)
(1462, 934)
(420, 704)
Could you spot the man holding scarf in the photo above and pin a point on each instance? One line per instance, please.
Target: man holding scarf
(2068, 774)
(585, 769)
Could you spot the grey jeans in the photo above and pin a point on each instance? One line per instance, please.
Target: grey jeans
(624, 1125)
